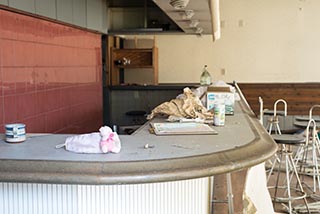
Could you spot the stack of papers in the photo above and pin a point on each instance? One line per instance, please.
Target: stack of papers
(182, 128)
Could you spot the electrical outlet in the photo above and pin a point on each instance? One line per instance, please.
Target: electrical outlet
(241, 23)
(223, 24)
(223, 71)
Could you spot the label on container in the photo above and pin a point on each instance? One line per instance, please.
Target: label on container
(15, 132)
(219, 114)
(227, 98)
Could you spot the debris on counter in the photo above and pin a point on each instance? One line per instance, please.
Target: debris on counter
(185, 147)
(147, 146)
(186, 106)
(110, 141)
(93, 143)
(151, 130)
(172, 118)
(179, 128)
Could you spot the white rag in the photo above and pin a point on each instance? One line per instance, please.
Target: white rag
(97, 142)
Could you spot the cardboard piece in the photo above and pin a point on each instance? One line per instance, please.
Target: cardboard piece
(220, 95)
(178, 128)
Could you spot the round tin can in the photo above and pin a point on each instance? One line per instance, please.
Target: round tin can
(219, 114)
(15, 133)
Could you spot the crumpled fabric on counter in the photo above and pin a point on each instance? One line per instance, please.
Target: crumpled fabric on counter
(187, 105)
(103, 141)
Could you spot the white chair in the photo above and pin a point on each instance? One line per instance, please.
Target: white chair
(303, 156)
(285, 155)
(274, 122)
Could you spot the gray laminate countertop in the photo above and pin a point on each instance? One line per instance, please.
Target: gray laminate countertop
(241, 143)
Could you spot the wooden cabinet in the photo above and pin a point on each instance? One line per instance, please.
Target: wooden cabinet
(126, 59)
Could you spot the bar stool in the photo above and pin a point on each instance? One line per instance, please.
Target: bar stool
(302, 156)
(284, 141)
(274, 120)
(312, 144)
(268, 112)
(301, 121)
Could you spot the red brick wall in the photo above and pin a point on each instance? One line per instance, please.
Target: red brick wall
(50, 75)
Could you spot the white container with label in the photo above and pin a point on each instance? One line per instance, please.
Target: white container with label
(219, 114)
(15, 133)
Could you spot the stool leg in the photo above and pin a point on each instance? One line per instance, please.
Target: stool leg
(272, 167)
(278, 176)
(304, 161)
(315, 152)
(270, 128)
(230, 195)
(315, 167)
(289, 168)
(299, 154)
(278, 129)
(288, 182)
(316, 159)
(304, 165)
(299, 182)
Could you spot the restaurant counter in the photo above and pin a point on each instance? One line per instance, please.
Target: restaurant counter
(170, 160)
(241, 143)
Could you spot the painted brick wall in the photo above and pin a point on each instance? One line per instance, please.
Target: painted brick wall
(50, 75)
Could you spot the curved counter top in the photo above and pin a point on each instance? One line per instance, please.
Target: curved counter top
(241, 143)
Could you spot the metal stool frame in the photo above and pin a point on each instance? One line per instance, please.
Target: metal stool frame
(315, 151)
(289, 168)
(275, 120)
(229, 195)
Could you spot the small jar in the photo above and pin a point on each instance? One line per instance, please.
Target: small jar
(15, 132)
(219, 114)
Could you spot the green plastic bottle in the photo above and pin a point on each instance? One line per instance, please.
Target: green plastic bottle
(205, 78)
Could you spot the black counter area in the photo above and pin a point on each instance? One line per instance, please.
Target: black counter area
(119, 100)
(163, 86)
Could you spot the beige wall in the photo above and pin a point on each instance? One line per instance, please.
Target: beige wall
(262, 41)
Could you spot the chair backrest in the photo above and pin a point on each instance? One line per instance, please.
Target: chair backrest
(314, 131)
(311, 109)
(261, 110)
(275, 107)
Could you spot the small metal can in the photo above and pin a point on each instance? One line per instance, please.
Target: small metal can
(219, 114)
(15, 133)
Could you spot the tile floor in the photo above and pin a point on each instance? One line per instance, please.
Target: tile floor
(238, 179)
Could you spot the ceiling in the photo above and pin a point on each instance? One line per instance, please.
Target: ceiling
(201, 15)
(130, 3)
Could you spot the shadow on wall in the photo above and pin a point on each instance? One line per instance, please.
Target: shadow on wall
(50, 75)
